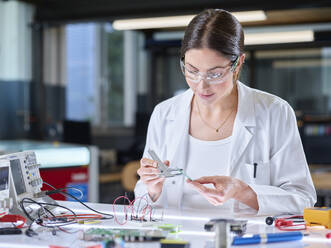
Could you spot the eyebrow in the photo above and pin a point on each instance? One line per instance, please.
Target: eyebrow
(216, 67)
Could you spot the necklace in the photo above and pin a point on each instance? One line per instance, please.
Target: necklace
(216, 129)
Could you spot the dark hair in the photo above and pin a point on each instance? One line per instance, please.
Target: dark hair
(216, 29)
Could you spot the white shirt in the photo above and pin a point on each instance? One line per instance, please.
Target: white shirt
(265, 131)
(202, 157)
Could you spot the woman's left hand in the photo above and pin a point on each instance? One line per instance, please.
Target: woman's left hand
(225, 188)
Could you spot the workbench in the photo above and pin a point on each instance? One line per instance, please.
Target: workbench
(190, 222)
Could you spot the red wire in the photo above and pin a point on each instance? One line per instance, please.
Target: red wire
(125, 210)
(13, 218)
(286, 224)
(79, 216)
(134, 211)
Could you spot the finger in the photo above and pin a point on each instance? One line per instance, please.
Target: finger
(148, 171)
(146, 162)
(205, 180)
(154, 181)
(205, 190)
(167, 162)
(214, 201)
(145, 179)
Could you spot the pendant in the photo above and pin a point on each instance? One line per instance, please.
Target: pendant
(217, 130)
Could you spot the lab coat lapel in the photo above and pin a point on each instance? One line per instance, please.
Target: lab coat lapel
(243, 129)
(180, 115)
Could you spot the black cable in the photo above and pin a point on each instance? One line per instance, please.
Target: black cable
(41, 205)
(61, 189)
(75, 198)
(29, 200)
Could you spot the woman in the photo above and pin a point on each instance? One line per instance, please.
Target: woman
(241, 145)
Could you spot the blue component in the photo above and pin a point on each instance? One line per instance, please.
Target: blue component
(82, 187)
(270, 238)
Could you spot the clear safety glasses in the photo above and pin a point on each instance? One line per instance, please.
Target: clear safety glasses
(213, 77)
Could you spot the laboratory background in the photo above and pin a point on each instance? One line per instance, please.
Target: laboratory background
(79, 81)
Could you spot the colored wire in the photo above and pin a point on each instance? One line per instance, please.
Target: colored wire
(138, 211)
(65, 188)
(125, 209)
(40, 220)
(75, 198)
(14, 218)
(291, 223)
(143, 209)
(41, 204)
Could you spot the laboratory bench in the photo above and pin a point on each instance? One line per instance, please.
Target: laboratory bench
(187, 223)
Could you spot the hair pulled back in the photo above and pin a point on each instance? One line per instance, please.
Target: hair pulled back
(215, 29)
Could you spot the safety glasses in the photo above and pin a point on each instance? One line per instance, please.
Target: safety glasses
(215, 76)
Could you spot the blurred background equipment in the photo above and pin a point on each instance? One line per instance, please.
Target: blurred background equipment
(77, 132)
(5, 201)
(61, 165)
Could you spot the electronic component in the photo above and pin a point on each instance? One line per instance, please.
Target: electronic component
(25, 174)
(267, 238)
(236, 226)
(5, 201)
(24, 180)
(318, 216)
(128, 235)
(10, 230)
(174, 243)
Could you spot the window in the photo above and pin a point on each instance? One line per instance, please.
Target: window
(95, 74)
(115, 76)
(82, 72)
(300, 76)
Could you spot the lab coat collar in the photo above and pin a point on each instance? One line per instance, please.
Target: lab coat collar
(245, 113)
(179, 110)
(244, 126)
(246, 108)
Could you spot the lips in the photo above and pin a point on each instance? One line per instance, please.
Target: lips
(205, 96)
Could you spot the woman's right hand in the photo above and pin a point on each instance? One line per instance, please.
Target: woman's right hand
(149, 174)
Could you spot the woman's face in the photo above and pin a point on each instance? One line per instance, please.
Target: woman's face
(206, 61)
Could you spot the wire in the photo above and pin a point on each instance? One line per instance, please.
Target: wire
(125, 209)
(292, 223)
(29, 200)
(53, 221)
(40, 220)
(75, 198)
(60, 189)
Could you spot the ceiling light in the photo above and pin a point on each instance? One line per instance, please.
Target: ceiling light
(154, 22)
(179, 21)
(279, 37)
(250, 16)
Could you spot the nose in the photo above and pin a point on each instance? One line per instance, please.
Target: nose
(203, 84)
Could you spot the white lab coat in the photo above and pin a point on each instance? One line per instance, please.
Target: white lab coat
(265, 132)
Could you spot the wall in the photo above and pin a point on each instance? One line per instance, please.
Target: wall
(15, 68)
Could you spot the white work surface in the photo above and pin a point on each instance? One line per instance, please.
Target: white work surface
(191, 222)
